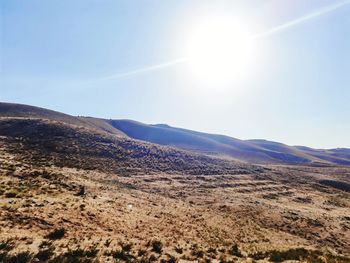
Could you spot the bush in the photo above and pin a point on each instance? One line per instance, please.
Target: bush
(122, 255)
(45, 254)
(56, 234)
(6, 245)
(3, 256)
(234, 251)
(197, 252)
(171, 259)
(141, 252)
(179, 250)
(77, 256)
(81, 191)
(126, 247)
(22, 257)
(91, 252)
(152, 258)
(291, 254)
(157, 246)
(212, 250)
(72, 256)
(259, 255)
(11, 194)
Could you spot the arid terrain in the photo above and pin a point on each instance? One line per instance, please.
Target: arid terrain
(78, 193)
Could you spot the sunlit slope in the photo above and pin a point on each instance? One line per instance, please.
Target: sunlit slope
(257, 151)
(26, 111)
(339, 156)
(43, 143)
(253, 151)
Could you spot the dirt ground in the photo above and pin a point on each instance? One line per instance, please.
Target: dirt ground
(56, 214)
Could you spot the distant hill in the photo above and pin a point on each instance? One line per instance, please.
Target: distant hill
(43, 143)
(252, 151)
(255, 151)
(26, 111)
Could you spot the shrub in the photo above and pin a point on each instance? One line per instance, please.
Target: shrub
(171, 259)
(72, 256)
(6, 245)
(259, 255)
(179, 250)
(197, 252)
(234, 251)
(157, 246)
(108, 242)
(291, 254)
(45, 243)
(91, 252)
(56, 234)
(45, 174)
(122, 255)
(81, 191)
(22, 257)
(11, 194)
(126, 247)
(45, 254)
(152, 258)
(77, 256)
(141, 252)
(212, 250)
(3, 256)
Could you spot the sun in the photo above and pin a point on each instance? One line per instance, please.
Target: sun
(219, 51)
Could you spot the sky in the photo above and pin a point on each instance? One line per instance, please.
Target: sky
(123, 59)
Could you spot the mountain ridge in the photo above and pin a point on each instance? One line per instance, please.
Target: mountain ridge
(258, 151)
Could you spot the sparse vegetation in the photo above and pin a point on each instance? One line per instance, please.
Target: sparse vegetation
(122, 255)
(197, 251)
(179, 249)
(183, 212)
(45, 254)
(6, 245)
(126, 247)
(74, 256)
(21, 257)
(157, 246)
(234, 251)
(108, 154)
(293, 254)
(81, 191)
(11, 194)
(56, 234)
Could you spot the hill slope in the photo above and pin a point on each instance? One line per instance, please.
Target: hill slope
(25, 111)
(256, 151)
(72, 191)
(253, 151)
(43, 142)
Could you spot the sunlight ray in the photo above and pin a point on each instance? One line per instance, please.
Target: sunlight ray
(275, 30)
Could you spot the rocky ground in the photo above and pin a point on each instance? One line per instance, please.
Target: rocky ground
(69, 215)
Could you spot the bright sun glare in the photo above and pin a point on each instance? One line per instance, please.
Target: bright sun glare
(219, 51)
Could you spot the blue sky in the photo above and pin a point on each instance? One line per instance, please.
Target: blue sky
(59, 54)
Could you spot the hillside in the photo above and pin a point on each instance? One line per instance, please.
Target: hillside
(80, 190)
(25, 111)
(255, 151)
(43, 142)
(252, 151)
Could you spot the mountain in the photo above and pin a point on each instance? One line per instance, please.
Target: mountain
(221, 146)
(9, 110)
(255, 151)
(82, 189)
(45, 138)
